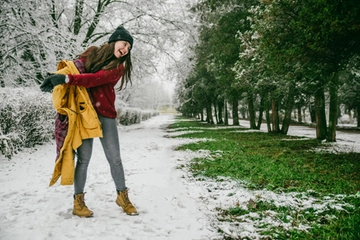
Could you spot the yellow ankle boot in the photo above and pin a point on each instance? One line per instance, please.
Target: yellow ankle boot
(123, 201)
(80, 209)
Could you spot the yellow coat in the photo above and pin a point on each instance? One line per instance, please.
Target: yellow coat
(83, 122)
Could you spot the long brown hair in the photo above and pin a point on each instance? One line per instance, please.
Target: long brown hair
(103, 58)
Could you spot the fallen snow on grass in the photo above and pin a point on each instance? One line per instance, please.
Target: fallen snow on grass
(222, 194)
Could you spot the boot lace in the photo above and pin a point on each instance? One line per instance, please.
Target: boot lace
(81, 200)
(125, 196)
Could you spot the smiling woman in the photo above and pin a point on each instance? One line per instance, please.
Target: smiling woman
(123, 42)
(121, 48)
(85, 86)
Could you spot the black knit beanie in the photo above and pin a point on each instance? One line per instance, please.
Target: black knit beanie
(121, 34)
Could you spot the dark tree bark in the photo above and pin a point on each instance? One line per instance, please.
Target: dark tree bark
(226, 113)
(333, 109)
(312, 112)
(216, 112)
(261, 111)
(79, 6)
(267, 114)
(289, 107)
(321, 130)
(358, 115)
(250, 101)
(209, 117)
(299, 114)
(275, 116)
(53, 14)
(220, 110)
(235, 112)
(102, 4)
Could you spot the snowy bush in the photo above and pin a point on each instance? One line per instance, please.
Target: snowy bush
(127, 116)
(26, 119)
(146, 114)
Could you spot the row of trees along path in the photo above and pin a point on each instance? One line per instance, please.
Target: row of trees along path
(273, 57)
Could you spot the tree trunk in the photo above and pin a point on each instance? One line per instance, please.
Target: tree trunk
(226, 113)
(79, 6)
(333, 108)
(289, 107)
(261, 110)
(304, 114)
(94, 22)
(207, 114)
(287, 116)
(251, 110)
(358, 115)
(267, 114)
(312, 111)
(299, 114)
(220, 109)
(216, 113)
(235, 112)
(275, 115)
(320, 115)
(209, 117)
(53, 14)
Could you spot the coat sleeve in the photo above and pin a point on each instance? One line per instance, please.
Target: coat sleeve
(96, 79)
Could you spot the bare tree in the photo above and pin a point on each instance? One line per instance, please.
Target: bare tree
(37, 33)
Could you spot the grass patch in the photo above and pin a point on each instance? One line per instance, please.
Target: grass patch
(283, 164)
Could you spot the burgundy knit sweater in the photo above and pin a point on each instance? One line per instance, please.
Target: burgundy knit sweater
(101, 88)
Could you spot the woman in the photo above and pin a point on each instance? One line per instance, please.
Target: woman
(101, 68)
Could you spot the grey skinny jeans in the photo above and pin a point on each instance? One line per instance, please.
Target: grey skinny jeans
(111, 146)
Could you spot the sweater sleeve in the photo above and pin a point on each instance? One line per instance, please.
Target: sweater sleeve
(101, 77)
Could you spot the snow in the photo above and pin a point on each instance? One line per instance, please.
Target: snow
(172, 204)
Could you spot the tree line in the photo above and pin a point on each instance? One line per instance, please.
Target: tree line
(36, 34)
(272, 58)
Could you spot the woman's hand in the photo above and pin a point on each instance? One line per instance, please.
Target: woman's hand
(46, 86)
(50, 82)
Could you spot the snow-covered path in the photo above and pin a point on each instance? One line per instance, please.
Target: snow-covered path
(171, 204)
(32, 210)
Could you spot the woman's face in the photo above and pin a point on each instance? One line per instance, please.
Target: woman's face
(121, 48)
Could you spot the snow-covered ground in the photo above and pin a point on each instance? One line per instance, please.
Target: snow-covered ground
(172, 205)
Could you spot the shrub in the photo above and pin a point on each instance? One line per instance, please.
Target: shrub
(147, 114)
(26, 119)
(127, 116)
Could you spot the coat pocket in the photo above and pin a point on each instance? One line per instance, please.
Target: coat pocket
(88, 119)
